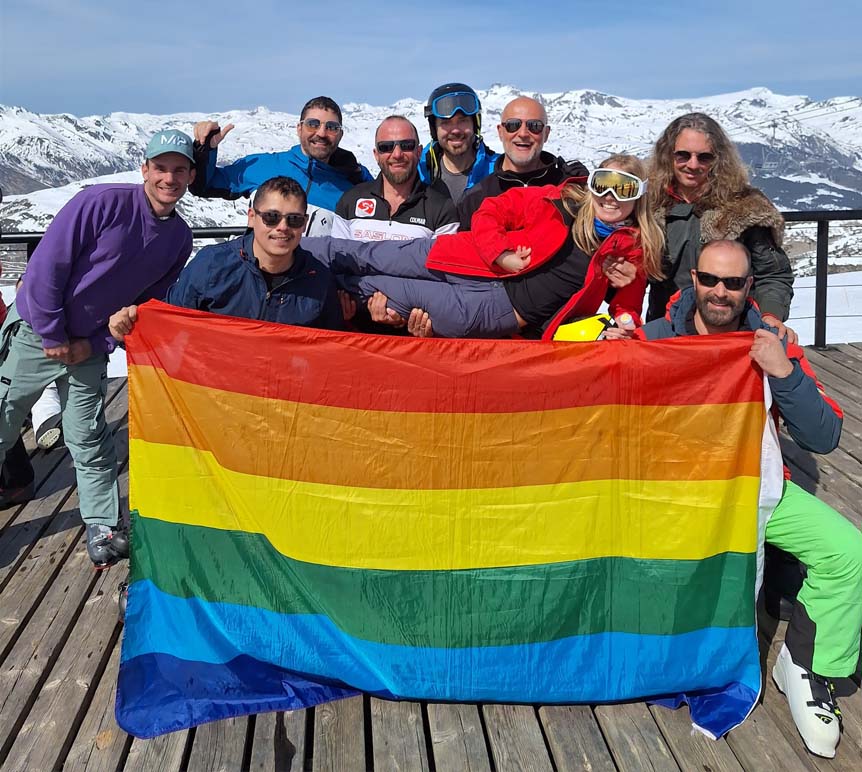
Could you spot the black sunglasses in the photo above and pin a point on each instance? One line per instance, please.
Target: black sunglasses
(388, 145)
(683, 155)
(272, 219)
(534, 125)
(314, 125)
(733, 283)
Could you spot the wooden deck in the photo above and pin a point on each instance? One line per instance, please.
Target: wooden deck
(59, 649)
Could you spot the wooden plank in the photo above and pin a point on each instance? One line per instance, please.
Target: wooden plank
(835, 376)
(824, 472)
(43, 467)
(37, 574)
(19, 537)
(339, 736)
(28, 663)
(457, 739)
(278, 744)
(838, 461)
(219, 746)
(842, 356)
(759, 745)
(851, 349)
(692, 749)
(515, 737)
(52, 723)
(575, 739)
(851, 707)
(398, 736)
(100, 744)
(165, 753)
(830, 488)
(634, 739)
(44, 462)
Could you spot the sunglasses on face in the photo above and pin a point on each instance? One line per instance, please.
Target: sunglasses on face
(683, 155)
(388, 145)
(623, 186)
(272, 219)
(733, 283)
(314, 125)
(534, 125)
(447, 105)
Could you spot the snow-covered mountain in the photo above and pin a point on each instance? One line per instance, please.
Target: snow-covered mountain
(804, 154)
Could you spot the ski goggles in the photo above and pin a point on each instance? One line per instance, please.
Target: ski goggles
(534, 125)
(447, 105)
(621, 185)
(272, 219)
(733, 283)
(386, 146)
(314, 124)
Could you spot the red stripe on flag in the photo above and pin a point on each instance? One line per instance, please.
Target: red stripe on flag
(371, 372)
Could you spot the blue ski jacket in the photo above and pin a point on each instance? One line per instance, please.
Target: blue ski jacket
(429, 164)
(324, 183)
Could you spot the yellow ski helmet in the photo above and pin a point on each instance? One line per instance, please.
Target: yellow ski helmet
(585, 329)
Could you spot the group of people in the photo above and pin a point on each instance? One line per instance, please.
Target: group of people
(451, 239)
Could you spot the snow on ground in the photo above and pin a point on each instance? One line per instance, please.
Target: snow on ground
(843, 325)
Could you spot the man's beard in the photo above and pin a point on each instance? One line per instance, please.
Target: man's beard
(397, 178)
(724, 316)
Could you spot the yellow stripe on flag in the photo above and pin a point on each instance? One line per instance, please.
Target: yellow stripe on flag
(415, 529)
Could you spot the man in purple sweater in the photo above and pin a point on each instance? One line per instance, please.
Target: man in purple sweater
(112, 246)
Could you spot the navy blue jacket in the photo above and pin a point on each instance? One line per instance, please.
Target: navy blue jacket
(812, 419)
(225, 279)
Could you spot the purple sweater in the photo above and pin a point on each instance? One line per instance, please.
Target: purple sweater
(104, 250)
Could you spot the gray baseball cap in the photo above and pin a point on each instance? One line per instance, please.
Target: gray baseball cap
(170, 141)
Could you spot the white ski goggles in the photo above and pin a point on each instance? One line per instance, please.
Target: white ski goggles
(621, 185)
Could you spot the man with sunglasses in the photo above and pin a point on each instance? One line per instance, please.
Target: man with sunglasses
(264, 274)
(324, 170)
(396, 205)
(523, 131)
(457, 154)
(699, 190)
(822, 639)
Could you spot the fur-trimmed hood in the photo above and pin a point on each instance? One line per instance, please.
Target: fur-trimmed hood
(749, 209)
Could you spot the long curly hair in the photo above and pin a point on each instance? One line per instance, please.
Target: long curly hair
(578, 201)
(727, 176)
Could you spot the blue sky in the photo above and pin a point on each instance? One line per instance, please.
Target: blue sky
(161, 57)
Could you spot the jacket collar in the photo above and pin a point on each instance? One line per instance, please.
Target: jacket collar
(550, 163)
(375, 188)
(342, 162)
(246, 254)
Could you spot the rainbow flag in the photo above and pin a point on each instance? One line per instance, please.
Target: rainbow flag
(317, 513)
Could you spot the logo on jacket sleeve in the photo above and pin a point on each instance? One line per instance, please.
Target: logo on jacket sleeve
(366, 207)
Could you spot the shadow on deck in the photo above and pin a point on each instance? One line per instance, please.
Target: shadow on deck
(59, 648)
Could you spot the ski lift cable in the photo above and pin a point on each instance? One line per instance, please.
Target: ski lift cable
(819, 112)
(812, 111)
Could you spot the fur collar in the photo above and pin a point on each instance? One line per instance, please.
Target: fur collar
(749, 209)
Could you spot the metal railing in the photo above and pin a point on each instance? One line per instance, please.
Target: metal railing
(822, 217)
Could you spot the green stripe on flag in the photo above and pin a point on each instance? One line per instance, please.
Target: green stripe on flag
(450, 609)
